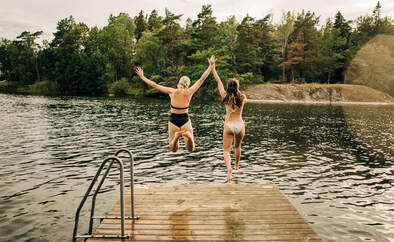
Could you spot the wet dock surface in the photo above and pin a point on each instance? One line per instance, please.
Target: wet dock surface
(208, 212)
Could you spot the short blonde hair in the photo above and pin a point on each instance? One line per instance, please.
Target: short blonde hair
(184, 82)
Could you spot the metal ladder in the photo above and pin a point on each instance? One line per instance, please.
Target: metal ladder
(122, 216)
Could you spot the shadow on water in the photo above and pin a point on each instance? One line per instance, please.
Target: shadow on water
(333, 162)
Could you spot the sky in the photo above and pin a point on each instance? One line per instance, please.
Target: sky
(17, 16)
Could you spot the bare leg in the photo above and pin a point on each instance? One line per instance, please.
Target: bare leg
(237, 157)
(227, 160)
(174, 144)
(227, 142)
(237, 147)
(188, 136)
(174, 133)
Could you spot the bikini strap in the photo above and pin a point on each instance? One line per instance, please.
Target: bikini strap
(177, 107)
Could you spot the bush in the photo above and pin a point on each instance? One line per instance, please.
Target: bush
(246, 78)
(8, 87)
(300, 80)
(119, 88)
(45, 87)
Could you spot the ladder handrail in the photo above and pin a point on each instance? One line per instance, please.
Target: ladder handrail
(113, 158)
(131, 180)
(95, 195)
(102, 181)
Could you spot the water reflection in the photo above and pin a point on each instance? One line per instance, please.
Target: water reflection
(333, 162)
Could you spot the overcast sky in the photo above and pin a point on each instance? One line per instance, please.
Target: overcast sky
(17, 16)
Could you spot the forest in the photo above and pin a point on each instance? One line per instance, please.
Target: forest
(92, 61)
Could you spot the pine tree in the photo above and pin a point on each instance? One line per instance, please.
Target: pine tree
(141, 25)
(154, 21)
(205, 29)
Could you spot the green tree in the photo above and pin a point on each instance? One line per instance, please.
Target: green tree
(69, 40)
(293, 57)
(284, 29)
(246, 49)
(20, 57)
(5, 60)
(333, 52)
(29, 42)
(369, 26)
(154, 21)
(305, 33)
(343, 45)
(116, 43)
(141, 25)
(205, 29)
(125, 20)
(254, 46)
(172, 37)
(228, 44)
(152, 56)
(267, 46)
(342, 25)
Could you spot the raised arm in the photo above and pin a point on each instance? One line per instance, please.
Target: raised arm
(217, 78)
(204, 76)
(153, 84)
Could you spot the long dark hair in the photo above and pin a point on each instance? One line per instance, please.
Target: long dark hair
(233, 95)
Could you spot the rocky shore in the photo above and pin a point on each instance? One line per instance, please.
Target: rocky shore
(316, 93)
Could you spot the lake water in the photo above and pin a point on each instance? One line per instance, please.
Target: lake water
(335, 163)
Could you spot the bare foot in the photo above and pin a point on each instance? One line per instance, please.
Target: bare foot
(229, 171)
(178, 135)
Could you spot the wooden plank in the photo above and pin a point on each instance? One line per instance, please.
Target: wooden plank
(228, 233)
(200, 227)
(283, 224)
(262, 213)
(175, 236)
(243, 212)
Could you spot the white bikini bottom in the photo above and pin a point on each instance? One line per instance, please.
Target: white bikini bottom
(235, 127)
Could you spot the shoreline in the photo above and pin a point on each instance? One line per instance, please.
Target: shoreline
(267, 101)
(319, 94)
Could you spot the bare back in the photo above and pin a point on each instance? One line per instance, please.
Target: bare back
(235, 115)
(180, 98)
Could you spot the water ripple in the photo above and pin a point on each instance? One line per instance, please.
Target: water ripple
(334, 163)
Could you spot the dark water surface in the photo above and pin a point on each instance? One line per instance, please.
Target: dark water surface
(335, 163)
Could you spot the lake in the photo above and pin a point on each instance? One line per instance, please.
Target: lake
(335, 163)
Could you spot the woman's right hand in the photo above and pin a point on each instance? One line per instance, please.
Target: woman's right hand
(139, 72)
(212, 61)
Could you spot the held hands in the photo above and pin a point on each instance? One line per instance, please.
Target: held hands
(212, 61)
(139, 72)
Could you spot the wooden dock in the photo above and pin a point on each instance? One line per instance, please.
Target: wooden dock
(205, 212)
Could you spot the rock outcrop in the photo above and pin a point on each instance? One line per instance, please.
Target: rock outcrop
(316, 93)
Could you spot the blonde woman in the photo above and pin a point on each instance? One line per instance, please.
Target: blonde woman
(179, 124)
(234, 126)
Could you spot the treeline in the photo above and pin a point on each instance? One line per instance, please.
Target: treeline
(96, 61)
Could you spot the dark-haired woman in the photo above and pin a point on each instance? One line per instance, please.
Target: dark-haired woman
(234, 126)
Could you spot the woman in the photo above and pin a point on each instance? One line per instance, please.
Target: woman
(179, 124)
(234, 126)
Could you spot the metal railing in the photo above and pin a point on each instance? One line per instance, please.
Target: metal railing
(122, 216)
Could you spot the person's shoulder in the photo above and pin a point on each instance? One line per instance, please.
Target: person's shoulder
(183, 92)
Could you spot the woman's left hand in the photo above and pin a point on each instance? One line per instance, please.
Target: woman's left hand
(212, 61)
(139, 72)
